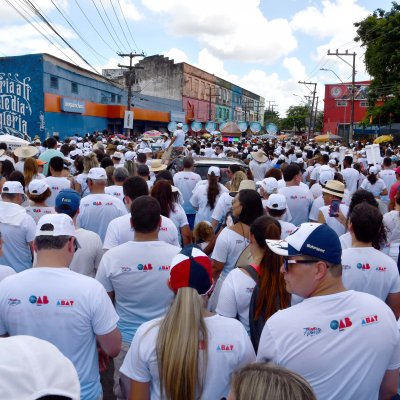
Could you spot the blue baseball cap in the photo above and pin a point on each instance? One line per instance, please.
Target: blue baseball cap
(312, 239)
(67, 201)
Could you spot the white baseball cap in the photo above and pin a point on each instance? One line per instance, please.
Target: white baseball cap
(373, 170)
(216, 170)
(59, 225)
(269, 185)
(37, 187)
(13, 187)
(179, 124)
(147, 150)
(31, 368)
(277, 202)
(97, 173)
(282, 157)
(130, 155)
(117, 155)
(332, 161)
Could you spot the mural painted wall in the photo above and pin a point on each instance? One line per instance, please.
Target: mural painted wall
(21, 96)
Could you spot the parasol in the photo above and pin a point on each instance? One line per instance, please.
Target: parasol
(383, 139)
(327, 137)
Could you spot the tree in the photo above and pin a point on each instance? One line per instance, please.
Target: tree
(271, 116)
(379, 33)
(319, 123)
(296, 118)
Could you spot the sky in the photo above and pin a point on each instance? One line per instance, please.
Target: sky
(266, 47)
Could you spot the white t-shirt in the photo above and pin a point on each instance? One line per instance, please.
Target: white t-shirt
(316, 190)
(350, 176)
(87, 257)
(17, 230)
(376, 189)
(186, 181)
(258, 169)
(287, 228)
(6, 271)
(316, 205)
(199, 200)
(137, 272)
(342, 344)
(333, 222)
(391, 221)
(299, 200)
(36, 212)
(96, 211)
(115, 190)
(65, 308)
(180, 138)
(235, 295)
(56, 184)
(224, 204)
(120, 231)
(346, 240)
(366, 269)
(228, 349)
(388, 176)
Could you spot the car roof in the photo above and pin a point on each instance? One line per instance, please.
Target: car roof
(198, 161)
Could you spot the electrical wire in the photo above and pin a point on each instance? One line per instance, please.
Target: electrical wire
(119, 23)
(122, 12)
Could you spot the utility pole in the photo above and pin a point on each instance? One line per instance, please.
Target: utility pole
(315, 115)
(130, 73)
(353, 79)
(312, 104)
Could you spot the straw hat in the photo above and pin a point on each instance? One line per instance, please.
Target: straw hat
(336, 188)
(26, 151)
(259, 156)
(157, 165)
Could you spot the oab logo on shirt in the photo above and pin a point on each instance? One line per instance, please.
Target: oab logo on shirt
(144, 267)
(363, 267)
(38, 300)
(342, 324)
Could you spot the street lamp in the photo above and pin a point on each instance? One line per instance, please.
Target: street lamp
(333, 72)
(301, 98)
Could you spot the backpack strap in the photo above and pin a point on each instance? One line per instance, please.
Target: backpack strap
(252, 270)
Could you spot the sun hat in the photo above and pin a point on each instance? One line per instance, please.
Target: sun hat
(67, 201)
(13, 187)
(26, 151)
(276, 202)
(269, 185)
(259, 156)
(25, 372)
(59, 224)
(165, 134)
(97, 173)
(245, 184)
(336, 188)
(37, 186)
(215, 170)
(191, 268)
(157, 165)
(312, 239)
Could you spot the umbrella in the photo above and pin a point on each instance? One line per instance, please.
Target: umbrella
(327, 137)
(383, 139)
(12, 141)
(206, 135)
(119, 136)
(281, 137)
(153, 133)
(231, 129)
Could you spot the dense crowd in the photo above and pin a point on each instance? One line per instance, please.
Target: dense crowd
(274, 276)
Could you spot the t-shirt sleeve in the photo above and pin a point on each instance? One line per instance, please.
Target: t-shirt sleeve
(267, 350)
(227, 306)
(98, 252)
(111, 239)
(134, 366)
(395, 281)
(103, 277)
(394, 362)
(104, 318)
(220, 252)
(218, 212)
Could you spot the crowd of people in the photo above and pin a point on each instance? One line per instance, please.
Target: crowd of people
(281, 282)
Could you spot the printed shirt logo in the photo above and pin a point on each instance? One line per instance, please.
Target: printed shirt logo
(225, 347)
(39, 301)
(314, 331)
(163, 228)
(345, 266)
(144, 267)
(164, 268)
(341, 324)
(97, 203)
(369, 320)
(363, 267)
(126, 269)
(382, 269)
(65, 303)
(13, 301)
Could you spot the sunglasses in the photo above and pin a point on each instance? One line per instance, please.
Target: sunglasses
(287, 262)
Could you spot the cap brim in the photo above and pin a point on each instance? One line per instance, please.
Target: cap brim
(280, 247)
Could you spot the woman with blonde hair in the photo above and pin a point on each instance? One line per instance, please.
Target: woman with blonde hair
(31, 170)
(190, 353)
(268, 381)
(89, 161)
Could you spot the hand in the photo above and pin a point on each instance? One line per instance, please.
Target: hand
(341, 218)
(104, 360)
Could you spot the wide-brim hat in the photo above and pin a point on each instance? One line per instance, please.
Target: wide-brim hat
(26, 151)
(335, 188)
(259, 156)
(157, 165)
(245, 184)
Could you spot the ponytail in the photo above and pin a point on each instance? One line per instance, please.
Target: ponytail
(182, 334)
(213, 190)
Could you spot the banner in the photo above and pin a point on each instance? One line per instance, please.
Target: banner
(255, 127)
(271, 128)
(242, 125)
(128, 120)
(210, 126)
(196, 126)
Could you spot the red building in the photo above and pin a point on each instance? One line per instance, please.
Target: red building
(337, 106)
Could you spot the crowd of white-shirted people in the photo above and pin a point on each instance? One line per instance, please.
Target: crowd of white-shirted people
(272, 275)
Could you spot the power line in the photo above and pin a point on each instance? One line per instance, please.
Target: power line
(122, 12)
(119, 23)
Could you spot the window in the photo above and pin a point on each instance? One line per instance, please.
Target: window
(341, 103)
(112, 98)
(74, 87)
(119, 99)
(54, 82)
(363, 103)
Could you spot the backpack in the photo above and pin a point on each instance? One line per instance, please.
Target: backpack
(256, 326)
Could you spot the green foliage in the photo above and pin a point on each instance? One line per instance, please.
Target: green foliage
(379, 33)
(296, 118)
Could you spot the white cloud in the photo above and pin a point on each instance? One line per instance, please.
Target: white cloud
(176, 55)
(229, 29)
(130, 11)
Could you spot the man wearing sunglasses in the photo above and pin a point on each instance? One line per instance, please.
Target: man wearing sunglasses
(53, 303)
(345, 343)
